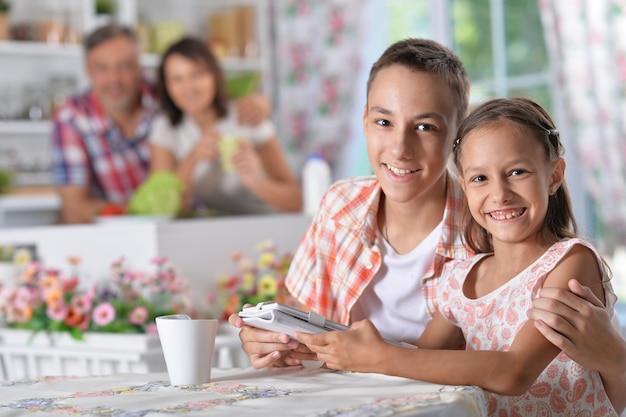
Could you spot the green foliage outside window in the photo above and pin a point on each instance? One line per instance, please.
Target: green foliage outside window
(472, 31)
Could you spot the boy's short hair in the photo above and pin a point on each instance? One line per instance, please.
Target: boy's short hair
(428, 56)
(108, 32)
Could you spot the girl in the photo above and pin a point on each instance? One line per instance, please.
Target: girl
(523, 232)
(251, 175)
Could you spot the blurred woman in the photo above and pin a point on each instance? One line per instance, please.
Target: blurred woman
(226, 166)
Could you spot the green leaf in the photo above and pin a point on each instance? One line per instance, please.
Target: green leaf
(160, 194)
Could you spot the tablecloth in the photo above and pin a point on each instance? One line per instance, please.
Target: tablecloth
(239, 392)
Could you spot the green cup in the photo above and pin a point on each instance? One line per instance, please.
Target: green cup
(228, 145)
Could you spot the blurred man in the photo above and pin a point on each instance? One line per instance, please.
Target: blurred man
(100, 150)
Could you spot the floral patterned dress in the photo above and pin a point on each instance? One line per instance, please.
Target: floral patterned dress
(491, 322)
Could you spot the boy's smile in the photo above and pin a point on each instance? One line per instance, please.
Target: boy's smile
(409, 122)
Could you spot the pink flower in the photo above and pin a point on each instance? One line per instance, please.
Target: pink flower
(23, 297)
(151, 328)
(159, 260)
(69, 284)
(82, 302)
(138, 315)
(104, 314)
(57, 311)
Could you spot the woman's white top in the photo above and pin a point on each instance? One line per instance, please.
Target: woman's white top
(394, 300)
(214, 187)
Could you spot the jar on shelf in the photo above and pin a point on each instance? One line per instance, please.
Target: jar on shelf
(4, 24)
(36, 103)
(73, 25)
(51, 24)
(60, 88)
(10, 102)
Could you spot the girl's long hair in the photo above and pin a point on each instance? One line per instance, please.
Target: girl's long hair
(535, 121)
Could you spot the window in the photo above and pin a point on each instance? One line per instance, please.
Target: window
(502, 46)
(499, 41)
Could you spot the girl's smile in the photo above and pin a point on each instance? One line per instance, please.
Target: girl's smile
(507, 180)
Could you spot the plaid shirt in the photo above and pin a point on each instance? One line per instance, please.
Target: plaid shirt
(338, 256)
(88, 149)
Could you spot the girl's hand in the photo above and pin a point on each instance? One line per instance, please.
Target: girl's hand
(247, 163)
(577, 323)
(360, 349)
(206, 148)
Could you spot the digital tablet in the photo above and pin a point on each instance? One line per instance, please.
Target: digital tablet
(280, 318)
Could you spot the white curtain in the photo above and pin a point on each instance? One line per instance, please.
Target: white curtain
(317, 59)
(587, 44)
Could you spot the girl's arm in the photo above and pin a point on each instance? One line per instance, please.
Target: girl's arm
(509, 372)
(441, 334)
(265, 172)
(362, 349)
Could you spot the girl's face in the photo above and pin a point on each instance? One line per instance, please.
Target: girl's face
(507, 180)
(409, 123)
(190, 84)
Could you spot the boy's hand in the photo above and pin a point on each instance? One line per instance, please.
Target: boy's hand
(577, 323)
(265, 348)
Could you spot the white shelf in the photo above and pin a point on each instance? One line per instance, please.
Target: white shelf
(228, 64)
(44, 50)
(42, 127)
(39, 49)
(35, 202)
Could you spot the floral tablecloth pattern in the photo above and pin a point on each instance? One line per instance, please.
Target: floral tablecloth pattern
(240, 392)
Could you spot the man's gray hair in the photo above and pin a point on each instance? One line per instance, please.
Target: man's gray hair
(108, 32)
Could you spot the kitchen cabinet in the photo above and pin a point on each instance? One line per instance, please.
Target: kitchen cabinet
(36, 72)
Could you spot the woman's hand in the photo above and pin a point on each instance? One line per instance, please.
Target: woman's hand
(253, 109)
(206, 148)
(247, 163)
(266, 349)
(360, 349)
(577, 323)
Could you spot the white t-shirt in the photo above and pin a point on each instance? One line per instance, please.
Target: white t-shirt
(394, 301)
(213, 186)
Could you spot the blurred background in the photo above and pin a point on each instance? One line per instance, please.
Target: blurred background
(312, 58)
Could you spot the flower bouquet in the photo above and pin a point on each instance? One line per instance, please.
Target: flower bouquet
(256, 280)
(45, 299)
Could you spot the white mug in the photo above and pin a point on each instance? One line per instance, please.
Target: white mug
(188, 347)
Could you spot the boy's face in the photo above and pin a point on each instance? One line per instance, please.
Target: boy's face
(409, 123)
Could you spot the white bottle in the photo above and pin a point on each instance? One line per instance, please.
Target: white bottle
(316, 178)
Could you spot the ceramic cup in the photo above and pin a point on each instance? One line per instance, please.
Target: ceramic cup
(188, 347)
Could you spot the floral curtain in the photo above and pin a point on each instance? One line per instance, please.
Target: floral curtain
(587, 43)
(316, 61)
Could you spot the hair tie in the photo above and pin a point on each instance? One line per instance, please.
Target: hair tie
(553, 132)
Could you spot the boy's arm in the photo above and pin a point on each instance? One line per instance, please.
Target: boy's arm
(578, 323)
